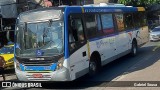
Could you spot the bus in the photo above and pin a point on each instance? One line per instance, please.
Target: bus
(65, 43)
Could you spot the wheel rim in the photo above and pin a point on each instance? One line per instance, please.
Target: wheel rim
(134, 49)
(92, 66)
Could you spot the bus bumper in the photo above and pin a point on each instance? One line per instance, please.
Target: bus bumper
(58, 75)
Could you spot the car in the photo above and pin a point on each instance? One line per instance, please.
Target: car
(155, 34)
(7, 52)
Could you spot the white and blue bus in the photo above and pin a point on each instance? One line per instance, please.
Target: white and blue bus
(64, 43)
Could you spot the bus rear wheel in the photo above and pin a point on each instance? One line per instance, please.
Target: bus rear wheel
(134, 49)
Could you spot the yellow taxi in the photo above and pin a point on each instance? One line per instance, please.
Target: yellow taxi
(8, 53)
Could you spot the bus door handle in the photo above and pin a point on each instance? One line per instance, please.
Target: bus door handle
(84, 54)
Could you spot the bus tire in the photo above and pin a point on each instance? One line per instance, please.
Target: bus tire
(134, 48)
(93, 67)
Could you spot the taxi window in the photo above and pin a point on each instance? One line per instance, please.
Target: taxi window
(7, 50)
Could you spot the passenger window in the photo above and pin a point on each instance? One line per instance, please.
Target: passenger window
(129, 24)
(141, 21)
(91, 25)
(99, 26)
(107, 23)
(120, 22)
(136, 20)
(98, 23)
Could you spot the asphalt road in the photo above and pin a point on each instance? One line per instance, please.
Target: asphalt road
(143, 67)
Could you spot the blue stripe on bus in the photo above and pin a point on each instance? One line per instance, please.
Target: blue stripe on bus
(66, 51)
(126, 31)
(38, 68)
(100, 37)
(100, 9)
(21, 67)
(110, 9)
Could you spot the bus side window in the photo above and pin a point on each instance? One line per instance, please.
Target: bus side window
(120, 21)
(91, 25)
(107, 23)
(74, 30)
(129, 24)
(71, 41)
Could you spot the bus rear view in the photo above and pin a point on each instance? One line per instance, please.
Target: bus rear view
(39, 47)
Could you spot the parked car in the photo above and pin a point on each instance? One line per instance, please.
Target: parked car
(155, 34)
(8, 53)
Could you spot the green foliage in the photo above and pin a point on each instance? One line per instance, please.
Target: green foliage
(143, 3)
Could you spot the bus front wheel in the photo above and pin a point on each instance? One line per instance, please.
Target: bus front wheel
(93, 68)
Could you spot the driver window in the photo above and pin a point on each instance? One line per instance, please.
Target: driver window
(76, 34)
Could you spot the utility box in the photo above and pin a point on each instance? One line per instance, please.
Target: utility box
(8, 9)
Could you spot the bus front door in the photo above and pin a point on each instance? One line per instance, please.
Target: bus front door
(77, 47)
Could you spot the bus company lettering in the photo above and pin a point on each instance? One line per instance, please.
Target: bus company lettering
(95, 10)
(101, 43)
(98, 10)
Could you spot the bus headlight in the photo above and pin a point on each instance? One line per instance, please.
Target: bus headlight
(18, 65)
(60, 63)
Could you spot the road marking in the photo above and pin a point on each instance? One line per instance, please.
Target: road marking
(156, 47)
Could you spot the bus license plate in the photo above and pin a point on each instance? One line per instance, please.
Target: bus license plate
(37, 75)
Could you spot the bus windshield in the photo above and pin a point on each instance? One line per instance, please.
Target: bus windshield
(45, 37)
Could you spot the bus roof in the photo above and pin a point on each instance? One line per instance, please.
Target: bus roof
(120, 7)
(88, 9)
(43, 9)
